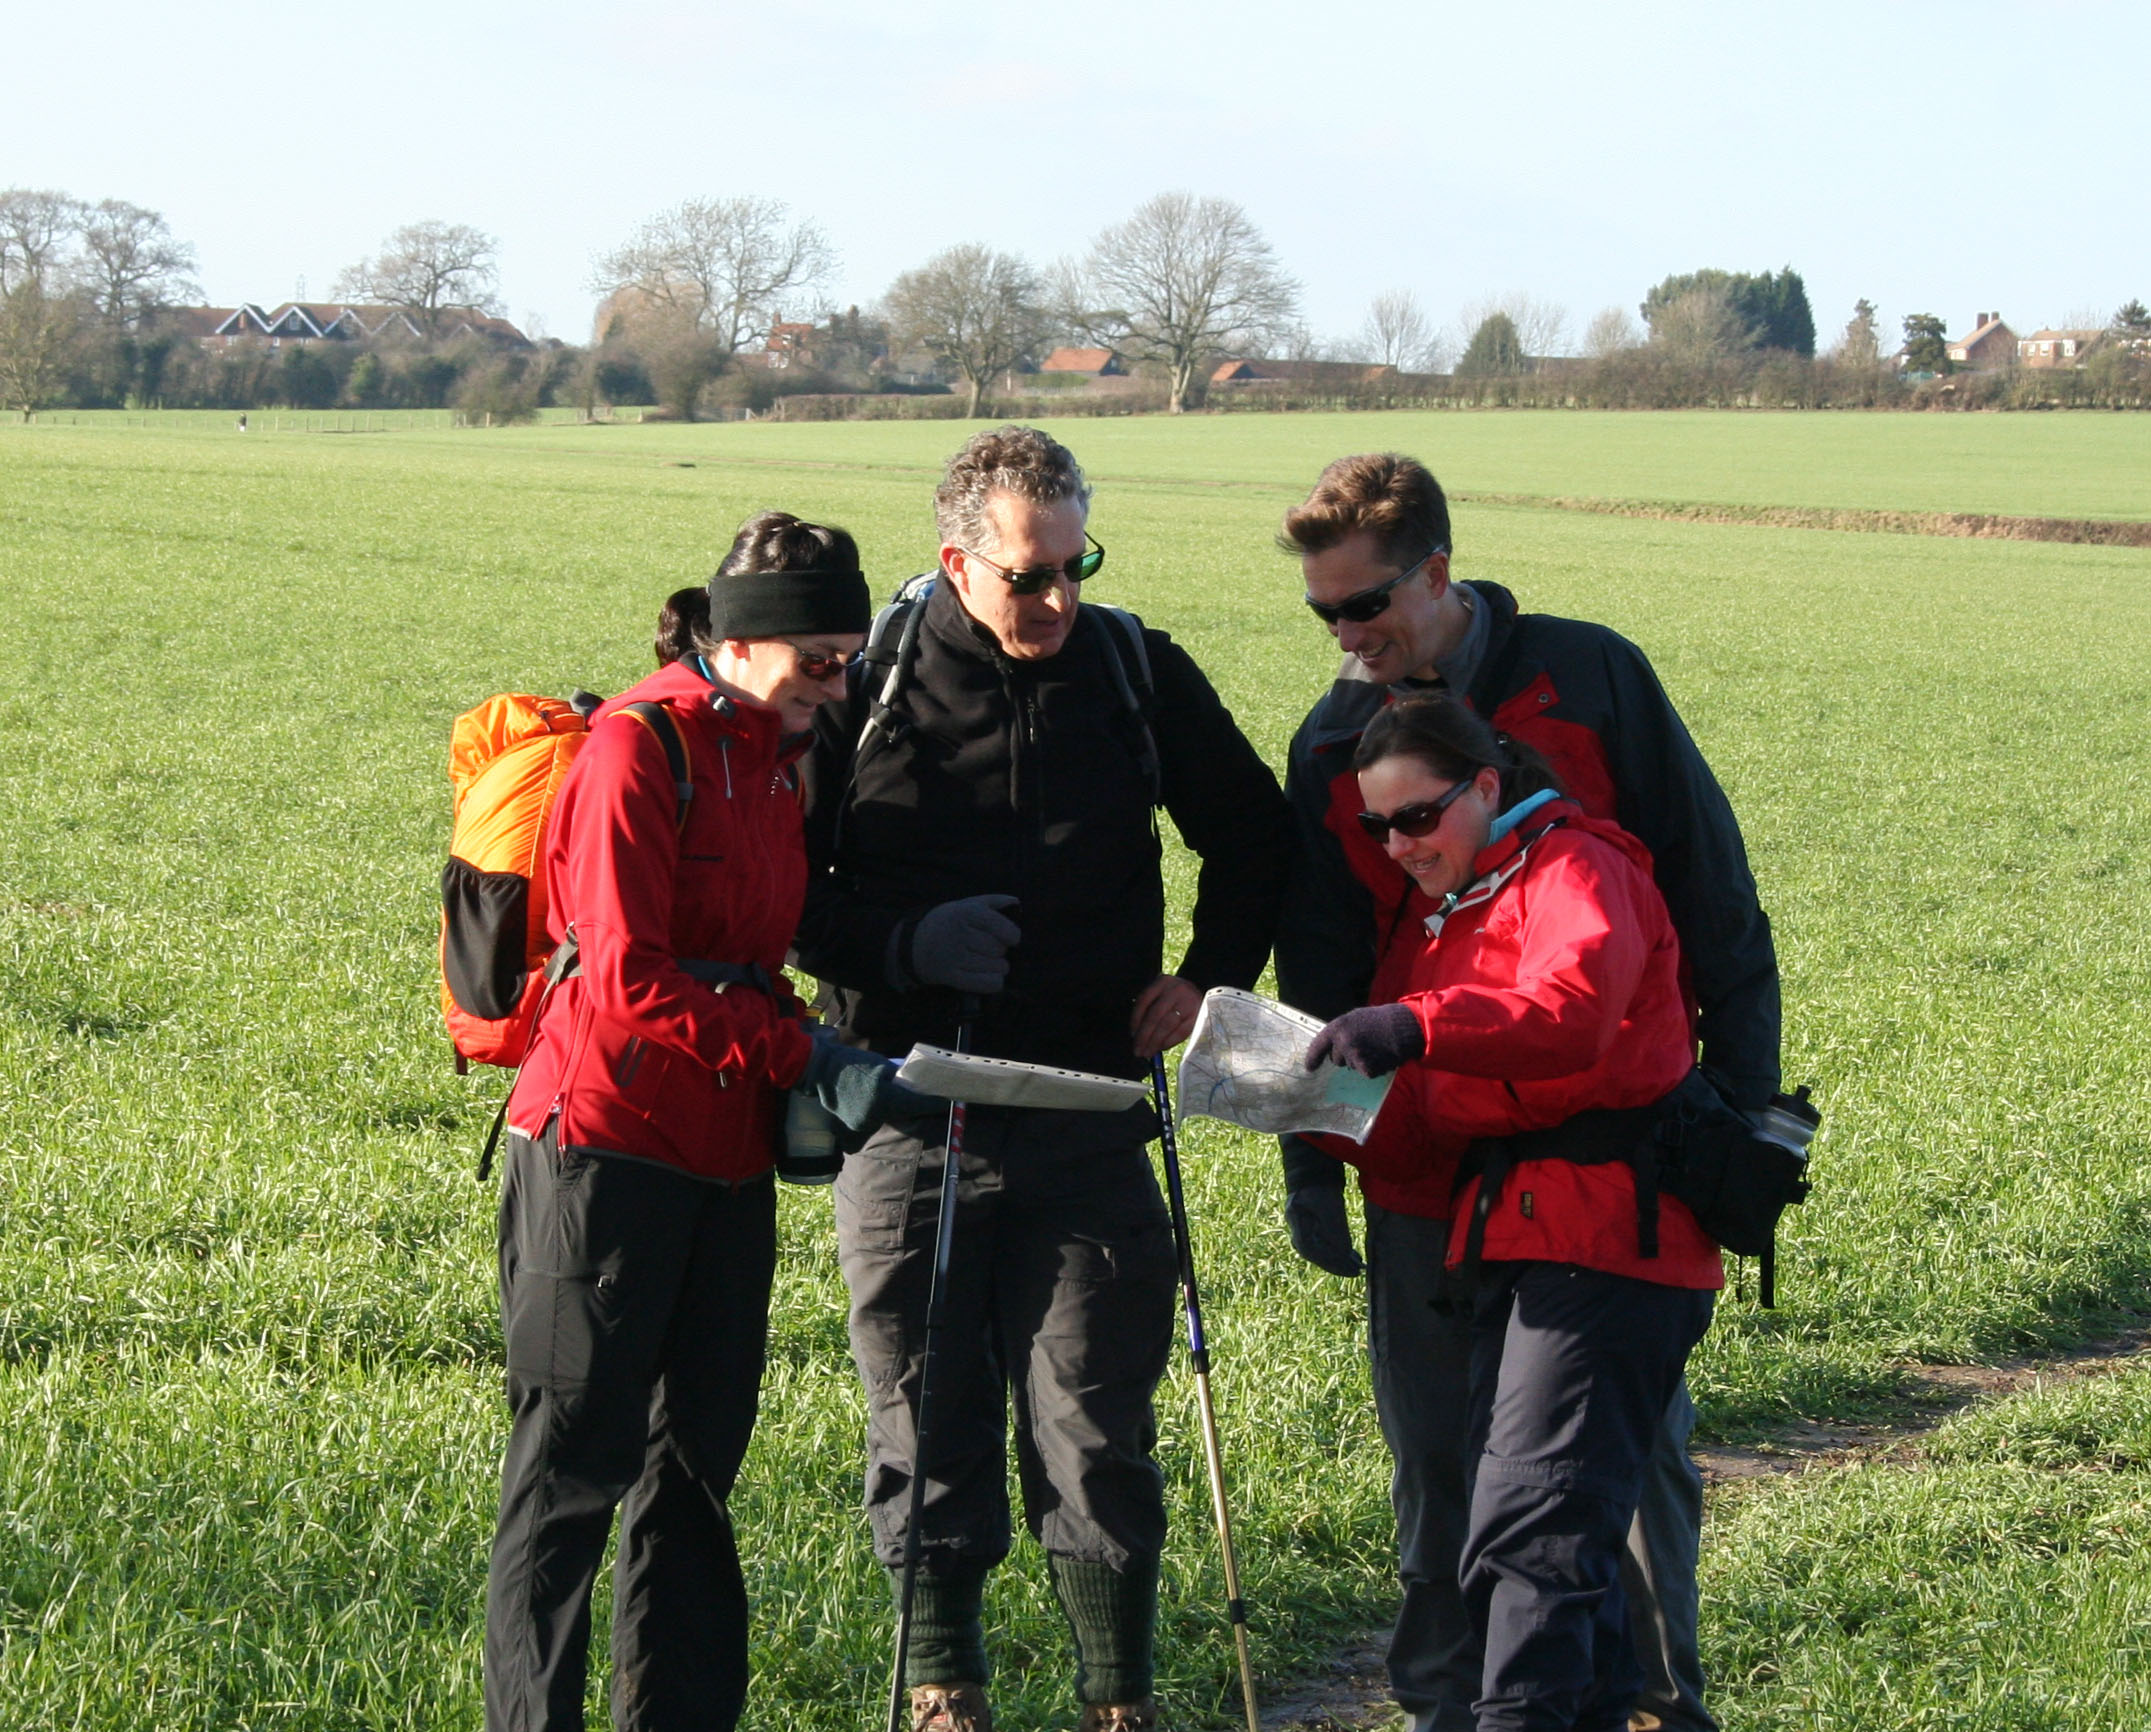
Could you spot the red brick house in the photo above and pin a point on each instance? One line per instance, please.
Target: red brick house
(1990, 345)
(2052, 348)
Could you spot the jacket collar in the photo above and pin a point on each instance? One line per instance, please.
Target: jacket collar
(1501, 861)
(951, 622)
(1496, 855)
(1352, 700)
(739, 727)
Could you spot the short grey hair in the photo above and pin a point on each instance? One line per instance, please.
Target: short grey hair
(1019, 461)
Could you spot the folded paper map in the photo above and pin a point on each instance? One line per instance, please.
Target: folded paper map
(1243, 1066)
(1002, 1082)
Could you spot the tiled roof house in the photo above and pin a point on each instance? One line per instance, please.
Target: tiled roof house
(2052, 348)
(1991, 344)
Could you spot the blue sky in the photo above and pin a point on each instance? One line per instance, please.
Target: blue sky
(1946, 158)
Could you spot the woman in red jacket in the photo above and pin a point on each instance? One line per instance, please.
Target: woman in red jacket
(1543, 1024)
(638, 1226)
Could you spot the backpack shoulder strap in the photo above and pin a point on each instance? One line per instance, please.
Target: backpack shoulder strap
(1138, 694)
(890, 641)
(1138, 649)
(658, 719)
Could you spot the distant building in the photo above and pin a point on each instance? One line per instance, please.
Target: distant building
(2051, 348)
(1317, 375)
(790, 344)
(300, 323)
(200, 323)
(1094, 363)
(1991, 345)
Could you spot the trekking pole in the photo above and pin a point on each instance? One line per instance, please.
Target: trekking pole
(1199, 1352)
(936, 1307)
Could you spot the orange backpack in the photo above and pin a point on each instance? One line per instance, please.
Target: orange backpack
(506, 761)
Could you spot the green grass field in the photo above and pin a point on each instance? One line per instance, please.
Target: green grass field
(248, 1345)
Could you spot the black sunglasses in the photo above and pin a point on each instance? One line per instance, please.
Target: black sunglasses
(1416, 820)
(1036, 579)
(1368, 603)
(819, 667)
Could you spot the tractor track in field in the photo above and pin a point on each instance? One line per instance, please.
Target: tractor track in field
(1956, 525)
(1949, 525)
(1351, 1693)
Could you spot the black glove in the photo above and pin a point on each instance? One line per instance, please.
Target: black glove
(1373, 1041)
(1321, 1231)
(857, 1089)
(963, 944)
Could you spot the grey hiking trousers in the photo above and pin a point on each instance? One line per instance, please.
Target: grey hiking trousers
(1060, 1302)
(1419, 1340)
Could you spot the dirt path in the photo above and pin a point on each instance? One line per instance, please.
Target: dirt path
(1352, 1694)
(1931, 1393)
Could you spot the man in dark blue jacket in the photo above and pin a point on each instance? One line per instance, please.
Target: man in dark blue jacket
(1374, 543)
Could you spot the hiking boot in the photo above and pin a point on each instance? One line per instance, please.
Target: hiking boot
(1120, 1716)
(959, 1707)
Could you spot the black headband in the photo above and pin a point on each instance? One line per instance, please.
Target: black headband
(777, 603)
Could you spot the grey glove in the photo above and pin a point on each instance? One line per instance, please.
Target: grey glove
(1373, 1041)
(963, 944)
(857, 1089)
(1321, 1232)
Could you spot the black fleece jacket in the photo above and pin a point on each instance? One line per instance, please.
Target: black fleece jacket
(1027, 778)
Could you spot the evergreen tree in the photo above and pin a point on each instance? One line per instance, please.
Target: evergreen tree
(1495, 349)
(1776, 304)
(1773, 305)
(1861, 345)
(1927, 344)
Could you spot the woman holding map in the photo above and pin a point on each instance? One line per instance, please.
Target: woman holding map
(1542, 1027)
(638, 1220)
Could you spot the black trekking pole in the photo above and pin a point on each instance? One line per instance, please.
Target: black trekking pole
(1199, 1352)
(936, 1306)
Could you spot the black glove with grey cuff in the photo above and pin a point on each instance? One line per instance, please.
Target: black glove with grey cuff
(1315, 1209)
(962, 944)
(1373, 1041)
(856, 1088)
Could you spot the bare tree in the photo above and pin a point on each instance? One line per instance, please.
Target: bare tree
(37, 227)
(678, 354)
(1610, 332)
(1300, 341)
(1399, 334)
(1184, 280)
(1701, 325)
(728, 264)
(974, 309)
(131, 265)
(424, 267)
(37, 339)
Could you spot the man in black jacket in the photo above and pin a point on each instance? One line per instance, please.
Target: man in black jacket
(1373, 540)
(987, 858)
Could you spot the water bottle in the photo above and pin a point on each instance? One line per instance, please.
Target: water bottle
(809, 1154)
(1789, 1121)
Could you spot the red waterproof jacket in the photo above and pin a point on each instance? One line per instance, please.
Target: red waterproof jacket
(1554, 987)
(633, 1055)
(1588, 700)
